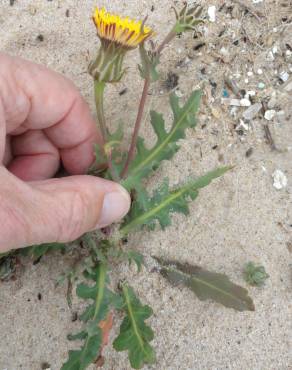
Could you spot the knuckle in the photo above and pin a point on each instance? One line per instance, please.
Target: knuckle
(75, 221)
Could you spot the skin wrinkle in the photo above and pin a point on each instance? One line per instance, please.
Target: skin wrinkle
(34, 208)
(18, 112)
(15, 220)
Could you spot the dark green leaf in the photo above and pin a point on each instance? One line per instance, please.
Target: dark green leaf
(207, 285)
(37, 251)
(96, 312)
(165, 201)
(147, 160)
(81, 359)
(135, 335)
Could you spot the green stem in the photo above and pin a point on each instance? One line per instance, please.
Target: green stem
(99, 87)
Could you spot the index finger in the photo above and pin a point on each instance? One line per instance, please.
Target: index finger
(36, 98)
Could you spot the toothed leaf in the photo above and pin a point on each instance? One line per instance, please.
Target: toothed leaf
(37, 251)
(166, 201)
(93, 316)
(137, 258)
(207, 285)
(148, 160)
(135, 335)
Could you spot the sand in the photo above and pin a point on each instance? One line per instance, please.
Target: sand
(239, 218)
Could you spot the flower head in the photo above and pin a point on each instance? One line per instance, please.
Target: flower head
(124, 32)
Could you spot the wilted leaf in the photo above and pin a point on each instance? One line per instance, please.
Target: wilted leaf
(166, 201)
(207, 285)
(135, 335)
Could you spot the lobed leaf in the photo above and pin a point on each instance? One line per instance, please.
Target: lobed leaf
(37, 251)
(148, 160)
(94, 315)
(135, 335)
(207, 285)
(166, 201)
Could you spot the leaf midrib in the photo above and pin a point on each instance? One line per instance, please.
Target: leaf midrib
(213, 287)
(132, 318)
(141, 220)
(165, 142)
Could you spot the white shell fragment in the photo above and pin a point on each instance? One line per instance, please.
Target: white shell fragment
(280, 180)
(245, 102)
(212, 13)
(252, 111)
(284, 76)
(270, 114)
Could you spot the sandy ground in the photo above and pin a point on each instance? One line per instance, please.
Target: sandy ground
(240, 217)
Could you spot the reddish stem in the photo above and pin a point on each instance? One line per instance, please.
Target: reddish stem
(137, 127)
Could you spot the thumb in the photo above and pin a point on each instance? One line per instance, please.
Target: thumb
(56, 210)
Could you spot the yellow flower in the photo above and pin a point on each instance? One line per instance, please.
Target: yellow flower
(124, 32)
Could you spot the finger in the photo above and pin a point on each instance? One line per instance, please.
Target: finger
(34, 156)
(58, 210)
(37, 98)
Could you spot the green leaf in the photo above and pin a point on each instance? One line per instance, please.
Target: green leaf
(37, 251)
(93, 315)
(165, 201)
(147, 160)
(255, 274)
(137, 258)
(149, 63)
(207, 285)
(135, 335)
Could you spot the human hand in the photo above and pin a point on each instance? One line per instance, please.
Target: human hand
(43, 121)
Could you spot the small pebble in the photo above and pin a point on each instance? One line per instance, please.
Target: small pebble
(212, 13)
(250, 73)
(245, 102)
(249, 152)
(252, 111)
(261, 85)
(259, 71)
(250, 93)
(270, 114)
(280, 180)
(288, 87)
(284, 76)
(270, 56)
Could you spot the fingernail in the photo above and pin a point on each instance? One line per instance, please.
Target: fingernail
(115, 206)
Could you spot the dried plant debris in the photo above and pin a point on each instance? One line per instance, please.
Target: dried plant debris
(206, 284)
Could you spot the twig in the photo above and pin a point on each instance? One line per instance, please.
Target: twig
(255, 12)
(232, 86)
(269, 137)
